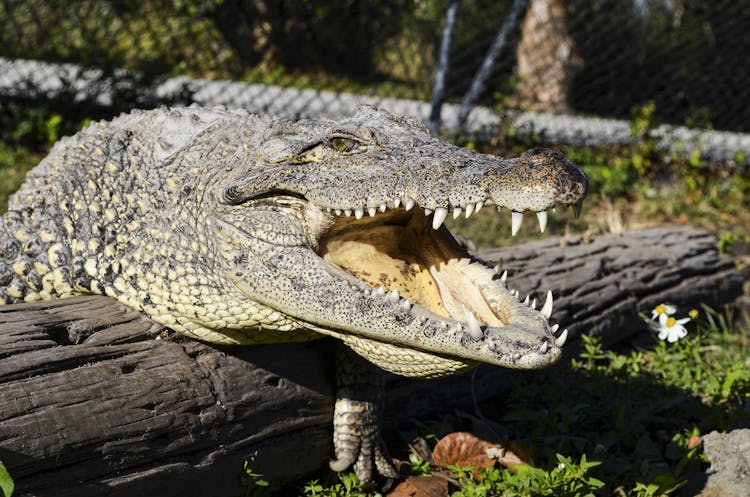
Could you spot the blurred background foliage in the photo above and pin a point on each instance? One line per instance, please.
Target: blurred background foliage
(686, 56)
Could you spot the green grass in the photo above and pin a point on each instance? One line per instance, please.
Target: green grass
(14, 164)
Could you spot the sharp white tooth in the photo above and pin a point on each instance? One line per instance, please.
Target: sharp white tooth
(543, 347)
(396, 202)
(427, 211)
(526, 300)
(359, 212)
(560, 341)
(496, 268)
(405, 304)
(393, 296)
(439, 217)
(382, 207)
(514, 293)
(516, 219)
(372, 211)
(554, 328)
(474, 330)
(408, 204)
(479, 205)
(542, 216)
(456, 212)
(338, 212)
(504, 276)
(348, 212)
(533, 304)
(469, 210)
(547, 308)
(380, 291)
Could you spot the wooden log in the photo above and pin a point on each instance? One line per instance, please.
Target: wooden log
(95, 399)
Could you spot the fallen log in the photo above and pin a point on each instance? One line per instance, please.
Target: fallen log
(95, 399)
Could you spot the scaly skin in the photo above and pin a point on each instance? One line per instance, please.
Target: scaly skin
(240, 229)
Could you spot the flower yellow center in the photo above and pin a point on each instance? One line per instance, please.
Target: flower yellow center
(671, 321)
(660, 309)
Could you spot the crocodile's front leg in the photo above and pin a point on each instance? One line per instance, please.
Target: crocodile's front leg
(356, 419)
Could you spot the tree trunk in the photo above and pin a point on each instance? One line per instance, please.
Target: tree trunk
(95, 399)
(546, 59)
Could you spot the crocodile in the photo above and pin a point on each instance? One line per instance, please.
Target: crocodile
(234, 228)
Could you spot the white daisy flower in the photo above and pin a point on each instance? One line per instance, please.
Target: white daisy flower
(663, 310)
(671, 329)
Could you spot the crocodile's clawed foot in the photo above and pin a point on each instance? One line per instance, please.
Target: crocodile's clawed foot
(356, 419)
(357, 442)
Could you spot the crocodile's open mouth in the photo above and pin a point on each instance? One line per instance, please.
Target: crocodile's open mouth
(411, 258)
(399, 251)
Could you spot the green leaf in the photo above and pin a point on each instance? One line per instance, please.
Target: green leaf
(6, 482)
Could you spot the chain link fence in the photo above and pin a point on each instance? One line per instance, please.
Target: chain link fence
(551, 57)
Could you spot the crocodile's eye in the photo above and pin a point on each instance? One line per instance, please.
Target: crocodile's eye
(341, 144)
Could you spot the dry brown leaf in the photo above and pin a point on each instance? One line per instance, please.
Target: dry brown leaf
(466, 449)
(463, 449)
(421, 486)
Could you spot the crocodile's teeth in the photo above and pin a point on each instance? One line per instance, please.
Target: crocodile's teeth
(393, 296)
(526, 300)
(439, 217)
(456, 212)
(547, 308)
(516, 219)
(408, 204)
(533, 304)
(543, 347)
(372, 211)
(554, 328)
(359, 212)
(542, 216)
(560, 341)
(504, 276)
(479, 205)
(380, 291)
(474, 330)
(469, 210)
(338, 212)
(397, 202)
(382, 207)
(348, 212)
(427, 211)
(496, 268)
(405, 304)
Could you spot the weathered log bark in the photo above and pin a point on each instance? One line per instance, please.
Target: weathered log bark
(97, 400)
